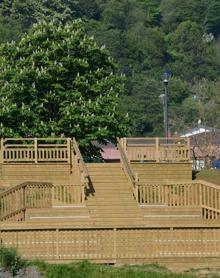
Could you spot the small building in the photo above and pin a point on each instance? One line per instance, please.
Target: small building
(205, 145)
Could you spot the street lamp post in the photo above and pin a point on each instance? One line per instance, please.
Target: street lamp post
(166, 75)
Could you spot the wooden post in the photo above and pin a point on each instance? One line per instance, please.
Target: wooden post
(24, 197)
(157, 153)
(188, 148)
(69, 151)
(83, 195)
(136, 187)
(115, 243)
(57, 244)
(2, 152)
(35, 150)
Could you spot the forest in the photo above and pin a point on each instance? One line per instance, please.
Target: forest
(145, 38)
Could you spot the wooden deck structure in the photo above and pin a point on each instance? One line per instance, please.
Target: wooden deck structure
(56, 207)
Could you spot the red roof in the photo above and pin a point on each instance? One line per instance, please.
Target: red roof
(110, 152)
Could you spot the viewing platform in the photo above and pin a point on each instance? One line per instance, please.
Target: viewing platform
(144, 208)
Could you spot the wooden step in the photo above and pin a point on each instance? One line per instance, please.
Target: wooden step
(58, 214)
(166, 212)
(112, 202)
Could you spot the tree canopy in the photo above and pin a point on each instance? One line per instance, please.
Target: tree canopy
(57, 80)
(145, 37)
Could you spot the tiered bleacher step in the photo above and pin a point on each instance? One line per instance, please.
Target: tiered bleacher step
(78, 215)
(170, 212)
(158, 214)
(111, 201)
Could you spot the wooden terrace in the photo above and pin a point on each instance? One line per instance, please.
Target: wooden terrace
(146, 208)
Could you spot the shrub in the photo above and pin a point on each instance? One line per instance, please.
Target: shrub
(10, 260)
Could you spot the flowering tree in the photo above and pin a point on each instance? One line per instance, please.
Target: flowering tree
(57, 81)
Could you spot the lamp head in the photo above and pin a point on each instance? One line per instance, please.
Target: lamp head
(166, 77)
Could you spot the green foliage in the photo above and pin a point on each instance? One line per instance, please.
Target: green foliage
(86, 269)
(57, 80)
(210, 175)
(212, 17)
(145, 37)
(10, 260)
(10, 30)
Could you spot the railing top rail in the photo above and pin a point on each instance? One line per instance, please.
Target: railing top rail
(21, 146)
(169, 145)
(80, 158)
(124, 157)
(211, 208)
(126, 164)
(22, 185)
(152, 140)
(33, 138)
(209, 184)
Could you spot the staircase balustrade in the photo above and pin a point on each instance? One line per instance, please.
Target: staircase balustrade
(15, 201)
(132, 179)
(82, 166)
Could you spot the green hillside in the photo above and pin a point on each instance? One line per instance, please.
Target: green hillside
(145, 37)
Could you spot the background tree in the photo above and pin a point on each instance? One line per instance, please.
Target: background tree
(145, 37)
(57, 80)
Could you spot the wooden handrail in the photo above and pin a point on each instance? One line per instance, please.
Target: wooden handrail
(80, 158)
(127, 169)
(210, 208)
(82, 167)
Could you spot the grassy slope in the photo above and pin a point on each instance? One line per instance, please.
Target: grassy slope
(88, 270)
(211, 175)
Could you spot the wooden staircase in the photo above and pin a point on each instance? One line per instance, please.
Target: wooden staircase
(110, 200)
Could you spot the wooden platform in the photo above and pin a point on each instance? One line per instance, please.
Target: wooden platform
(132, 211)
(162, 172)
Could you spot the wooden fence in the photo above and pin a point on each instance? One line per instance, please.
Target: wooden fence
(112, 245)
(35, 150)
(157, 149)
(198, 193)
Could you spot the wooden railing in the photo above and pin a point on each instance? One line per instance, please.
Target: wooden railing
(173, 246)
(133, 180)
(156, 149)
(67, 195)
(82, 166)
(14, 201)
(195, 193)
(35, 150)
(50, 150)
